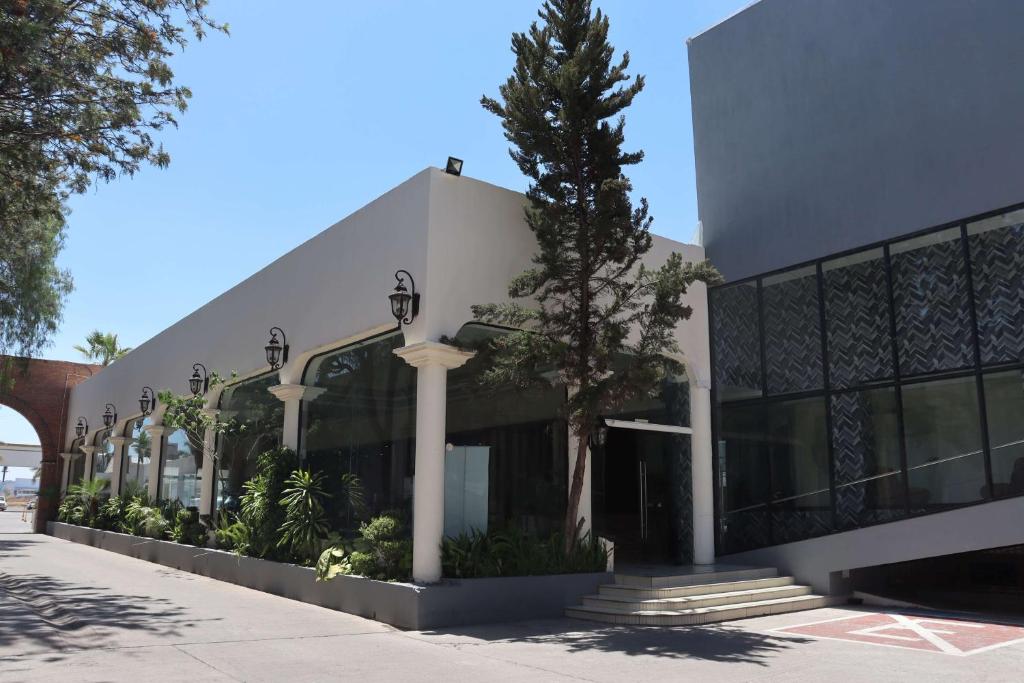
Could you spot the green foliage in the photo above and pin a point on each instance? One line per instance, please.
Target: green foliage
(597, 314)
(86, 500)
(514, 553)
(103, 347)
(83, 86)
(70, 510)
(231, 533)
(111, 513)
(305, 524)
(32, 287)
(188, 528)
(190, 414)
(143, 519)
(383, 551)
(260, 509)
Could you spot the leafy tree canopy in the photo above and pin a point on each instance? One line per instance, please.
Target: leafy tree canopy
(103, 347)
(594, 310)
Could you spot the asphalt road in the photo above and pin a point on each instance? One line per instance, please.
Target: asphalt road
(72, 612)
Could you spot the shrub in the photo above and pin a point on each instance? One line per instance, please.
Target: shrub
(188, 528)
(513, 553)
(260, 509)
(231, 533)
(383, 551)
(305, 525)
(83, 502)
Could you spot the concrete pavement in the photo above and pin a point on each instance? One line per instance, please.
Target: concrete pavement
(75, 612)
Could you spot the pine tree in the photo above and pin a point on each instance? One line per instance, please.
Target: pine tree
(592, 310)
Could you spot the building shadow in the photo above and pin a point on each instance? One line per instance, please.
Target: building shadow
(48, 614)
(710, 642)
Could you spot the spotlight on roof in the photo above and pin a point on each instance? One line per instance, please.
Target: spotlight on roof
(454, 166)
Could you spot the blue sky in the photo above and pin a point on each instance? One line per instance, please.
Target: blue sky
(296, 121)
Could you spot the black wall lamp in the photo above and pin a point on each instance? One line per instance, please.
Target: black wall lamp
(199, 384)
(277, 351)
(109, 415)
(82, 427)
(147, 402)
(405, 305)
(454, 166)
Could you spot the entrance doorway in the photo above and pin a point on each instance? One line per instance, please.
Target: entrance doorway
(641, 492)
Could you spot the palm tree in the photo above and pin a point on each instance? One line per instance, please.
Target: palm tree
(102, 346)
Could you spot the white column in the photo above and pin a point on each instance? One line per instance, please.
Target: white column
(292, 395)
(118, 466)
(703, 480)
(585, 510)
(89, 451)
(208, 483)
(156, 458)
(432, 361)
(66, 459)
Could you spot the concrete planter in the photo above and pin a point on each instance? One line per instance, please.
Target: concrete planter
(450, 603)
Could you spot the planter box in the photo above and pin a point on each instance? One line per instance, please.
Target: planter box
(449, 603)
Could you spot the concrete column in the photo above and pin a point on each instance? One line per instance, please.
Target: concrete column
(703, 480)
(118, 464)
(432, 361)
(66, 459)
(156, 455)
(89, 451)
(207, 484)
(292, 395)
(585, 511)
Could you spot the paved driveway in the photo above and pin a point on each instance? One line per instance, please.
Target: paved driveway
(71, 612)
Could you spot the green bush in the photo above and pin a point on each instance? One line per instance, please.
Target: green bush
(383, 551)
(260, 509)
(305, 526)
(514, 553)
(230, 533)
(82, 503)
(188, 528)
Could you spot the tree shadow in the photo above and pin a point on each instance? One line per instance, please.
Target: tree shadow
(709, 642)
(44, 613)
(9, 546)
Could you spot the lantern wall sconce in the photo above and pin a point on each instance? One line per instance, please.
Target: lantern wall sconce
(147, 402)
(277, 351)
(81, 427)
(199, 384)
(405, 304)
(109, 416)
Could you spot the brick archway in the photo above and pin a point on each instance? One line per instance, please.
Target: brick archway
(40, 393)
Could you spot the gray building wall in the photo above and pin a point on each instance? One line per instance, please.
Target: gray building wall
(823, 125)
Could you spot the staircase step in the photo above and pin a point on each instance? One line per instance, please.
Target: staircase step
(640, 593)
(701, 615)
(695, 578)
(626, 604)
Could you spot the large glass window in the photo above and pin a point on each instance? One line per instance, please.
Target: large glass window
(135, 464)
(857, 319)
(945, 461)
(743, 467)
(792, 331)
(866, 452)
(997, 266)
(508, 450)
(103, 457)
(363, 424)
(256, 419)
(737, 341)
(798, 452)
(181, 469)
(931, 303)
(76, 468)
(1004, 404)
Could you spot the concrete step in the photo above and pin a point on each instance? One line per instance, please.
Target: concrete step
(701, 615)
(614, 590)
(626, 604)
(695, 578)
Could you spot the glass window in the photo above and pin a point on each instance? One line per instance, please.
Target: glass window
(945, 462)
(76, 469)
(997, 265)
(137, 457)
(736, 340)
(508, 456)
(857, 319)
(181, 469)
(798, 452)
(364, 423)
(866, 453)
(256, 419)
(792, 331)
(933, 322)
(103, 457)
(744, 477)
(1004, 406)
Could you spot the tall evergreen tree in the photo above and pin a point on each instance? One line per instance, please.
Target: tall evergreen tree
(588, 307)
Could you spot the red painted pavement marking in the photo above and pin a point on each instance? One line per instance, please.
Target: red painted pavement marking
(913, 632)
